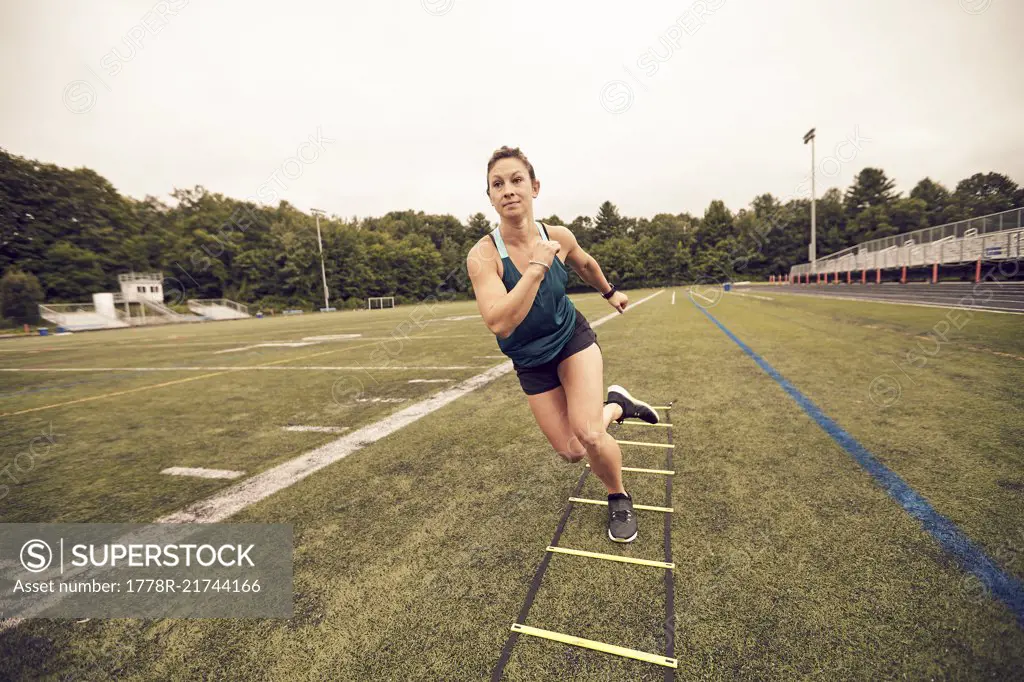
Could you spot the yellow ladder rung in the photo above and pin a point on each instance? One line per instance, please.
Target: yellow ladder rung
(612, 557)
(640, 442)
(596, 646)
(643, 423)
(604, 503)
(666, 472)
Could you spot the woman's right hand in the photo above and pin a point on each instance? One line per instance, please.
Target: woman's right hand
(545, 250)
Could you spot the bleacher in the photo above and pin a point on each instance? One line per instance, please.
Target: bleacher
(995, 237)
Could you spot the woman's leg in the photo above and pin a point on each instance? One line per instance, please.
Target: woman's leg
(582, 377)
(552, 415)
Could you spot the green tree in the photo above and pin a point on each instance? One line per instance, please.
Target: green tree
(478, 227)
(908, 214)
(620, 261)
(74, 273)
(938, 202)
(870, 188)
(582, 227)
(986, 193)
(608, 224)
(20, 296)
(873, 223)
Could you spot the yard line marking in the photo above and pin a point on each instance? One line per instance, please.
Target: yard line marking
(763, 298)
(200, 368)
(972, 558)
(202, 473)
(276, 344)
(430, 381)
(170, 383)
(673, 298)
(905, 302)
(317, 429)
(261, 486)
(696, 293)
(331, 337)
(111, 395)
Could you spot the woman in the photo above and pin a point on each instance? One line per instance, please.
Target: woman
(519, 281)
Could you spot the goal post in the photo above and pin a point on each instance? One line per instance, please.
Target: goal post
(380, 302)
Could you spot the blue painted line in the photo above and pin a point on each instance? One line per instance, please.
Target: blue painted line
(972, 558)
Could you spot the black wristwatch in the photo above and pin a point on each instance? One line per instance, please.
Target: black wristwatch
(610, 292)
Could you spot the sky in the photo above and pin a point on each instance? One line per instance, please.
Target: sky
(660, 107)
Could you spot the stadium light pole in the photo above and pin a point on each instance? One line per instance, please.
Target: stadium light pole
(813, 251)
(323, 271)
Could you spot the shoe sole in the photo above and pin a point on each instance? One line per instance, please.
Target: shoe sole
(630, 539)
(629, 396)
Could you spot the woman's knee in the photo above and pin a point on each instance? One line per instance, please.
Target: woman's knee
(589, 434)
(572, 450)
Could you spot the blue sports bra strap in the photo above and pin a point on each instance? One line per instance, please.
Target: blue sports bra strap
(499, 242)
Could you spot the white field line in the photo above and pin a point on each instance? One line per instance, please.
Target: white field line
(332, 337)
(673, 298)
(430, 381)
(763, 298)
(136, 345)
(261, 486)
(239, 496)
(213, 368)
(695, 293)
(904, 302)
(283, 344)
(202, 473)
(317, 429)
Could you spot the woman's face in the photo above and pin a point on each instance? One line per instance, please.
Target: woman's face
(510, 189)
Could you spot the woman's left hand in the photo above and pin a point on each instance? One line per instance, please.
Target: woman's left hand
(619, 301)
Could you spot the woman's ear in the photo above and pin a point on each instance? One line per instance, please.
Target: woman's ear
(536, 188)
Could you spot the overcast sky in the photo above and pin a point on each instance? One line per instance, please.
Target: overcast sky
(656, 106)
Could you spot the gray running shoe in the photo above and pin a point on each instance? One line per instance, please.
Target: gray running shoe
(621, 520)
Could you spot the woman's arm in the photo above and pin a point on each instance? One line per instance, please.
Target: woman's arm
(582, 262)
(586, 266)
(502, 311)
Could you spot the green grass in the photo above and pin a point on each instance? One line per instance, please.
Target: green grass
(414, 554)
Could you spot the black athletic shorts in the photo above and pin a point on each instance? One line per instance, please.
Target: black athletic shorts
(544, 377)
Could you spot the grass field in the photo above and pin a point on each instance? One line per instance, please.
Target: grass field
(413, 554)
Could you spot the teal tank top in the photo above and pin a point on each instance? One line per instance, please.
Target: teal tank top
(550, 323)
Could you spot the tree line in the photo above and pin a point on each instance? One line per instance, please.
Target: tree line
(73, 232)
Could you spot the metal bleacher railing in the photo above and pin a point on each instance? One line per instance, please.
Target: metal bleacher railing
(227, 303)
(999, 236)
